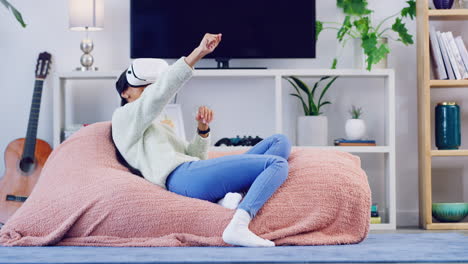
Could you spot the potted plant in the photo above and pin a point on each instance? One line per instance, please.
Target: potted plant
(370, 39)
(355, 127)
(312, 128)
(15, 12)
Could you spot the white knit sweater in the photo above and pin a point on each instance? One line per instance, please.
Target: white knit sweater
(150, 146)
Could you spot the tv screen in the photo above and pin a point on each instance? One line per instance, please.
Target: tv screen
(250, 28)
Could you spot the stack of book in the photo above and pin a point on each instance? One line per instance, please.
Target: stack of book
(449, 56)
(346, 142)
(375, 218)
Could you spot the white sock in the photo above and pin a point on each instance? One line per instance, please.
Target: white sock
(237, 232)
(231, 200)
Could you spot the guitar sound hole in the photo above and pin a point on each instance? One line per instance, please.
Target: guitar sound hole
(27, 165)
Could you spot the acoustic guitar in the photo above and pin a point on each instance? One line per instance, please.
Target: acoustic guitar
(25, 157)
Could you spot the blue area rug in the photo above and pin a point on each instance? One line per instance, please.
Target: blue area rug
(420, 248)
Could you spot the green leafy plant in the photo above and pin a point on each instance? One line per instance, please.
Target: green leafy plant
(309, 103)
(15, 12)
(355, 112)
(358, 24)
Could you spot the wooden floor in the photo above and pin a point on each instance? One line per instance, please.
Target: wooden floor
(416, 229)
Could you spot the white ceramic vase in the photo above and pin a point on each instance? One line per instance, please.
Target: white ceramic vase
(360, 57)
(355, 129)
(312, 131)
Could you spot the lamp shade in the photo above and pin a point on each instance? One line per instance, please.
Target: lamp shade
(86, 14)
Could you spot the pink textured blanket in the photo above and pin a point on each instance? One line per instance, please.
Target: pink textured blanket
(85, 197)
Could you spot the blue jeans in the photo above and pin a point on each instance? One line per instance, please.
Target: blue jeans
(259, 172)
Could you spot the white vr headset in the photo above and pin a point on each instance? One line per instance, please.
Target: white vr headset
(145, 71)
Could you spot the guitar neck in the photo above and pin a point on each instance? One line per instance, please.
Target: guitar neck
(31, 134)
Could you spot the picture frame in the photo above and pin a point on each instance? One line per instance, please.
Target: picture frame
(172, 116)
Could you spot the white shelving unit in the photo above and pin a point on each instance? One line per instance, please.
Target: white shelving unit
(388, 149)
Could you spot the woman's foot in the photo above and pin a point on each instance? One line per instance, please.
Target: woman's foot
(237, 232)
(231, 200)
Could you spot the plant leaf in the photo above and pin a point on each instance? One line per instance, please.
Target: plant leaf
(344, 28)
(335, 61)
(326, 88)
(354, 7)
(300, 84)
(15, 12)
(362, 25)
(324, 103)
(306, 110)
(410, 10)
(318, 28)
(293, 84)
(402, 31)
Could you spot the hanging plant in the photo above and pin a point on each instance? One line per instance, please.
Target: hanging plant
(358, 24)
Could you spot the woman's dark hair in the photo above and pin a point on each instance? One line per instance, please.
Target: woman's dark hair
(122, 161)
(121, 85)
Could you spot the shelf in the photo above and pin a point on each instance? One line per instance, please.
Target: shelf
(448, 14)
(447, 226)
(448, 83)
(351, 149)
(454, 152)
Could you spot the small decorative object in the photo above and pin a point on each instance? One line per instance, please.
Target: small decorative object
(312, 128)
(449, 212)
(355, 128)
(237, 141)
(447, 125)
(358, 25)
(171, 115)
(443, 4)
(86, 15)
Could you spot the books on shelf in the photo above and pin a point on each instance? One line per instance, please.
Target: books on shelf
(449, 56)
(346, 142)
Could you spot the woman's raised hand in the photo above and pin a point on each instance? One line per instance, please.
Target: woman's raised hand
(209, 43)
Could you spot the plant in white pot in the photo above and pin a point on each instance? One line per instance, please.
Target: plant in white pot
(312, 128)
(355, 127)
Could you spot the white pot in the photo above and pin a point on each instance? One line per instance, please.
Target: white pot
(360, 57)
(312, 131)
(355, 129)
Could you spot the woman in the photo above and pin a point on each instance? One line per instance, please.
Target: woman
(154, 151)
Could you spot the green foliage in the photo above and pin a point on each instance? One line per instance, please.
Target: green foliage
(358, 24)
(410, 10)
(318, 28)
(15, 12)
(402, 31)
(354, 7)
(355, 112)
(309, 103)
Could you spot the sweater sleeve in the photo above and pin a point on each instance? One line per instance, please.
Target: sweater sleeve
(132, 119)
(198, 147)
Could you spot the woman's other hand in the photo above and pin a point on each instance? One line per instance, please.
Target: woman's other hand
(204, 117)
(207, 45)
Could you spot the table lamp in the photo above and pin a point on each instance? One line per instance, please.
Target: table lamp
(86, 15)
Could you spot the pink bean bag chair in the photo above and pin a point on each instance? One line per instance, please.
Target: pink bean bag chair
(85, 197)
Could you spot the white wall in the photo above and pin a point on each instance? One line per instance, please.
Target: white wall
(48, 30)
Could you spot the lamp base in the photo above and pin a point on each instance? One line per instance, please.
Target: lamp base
(82, 68)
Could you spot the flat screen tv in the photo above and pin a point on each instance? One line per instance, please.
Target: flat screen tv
(250, 28)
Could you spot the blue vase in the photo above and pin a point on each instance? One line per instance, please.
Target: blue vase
(447, 126)
(443, 4)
